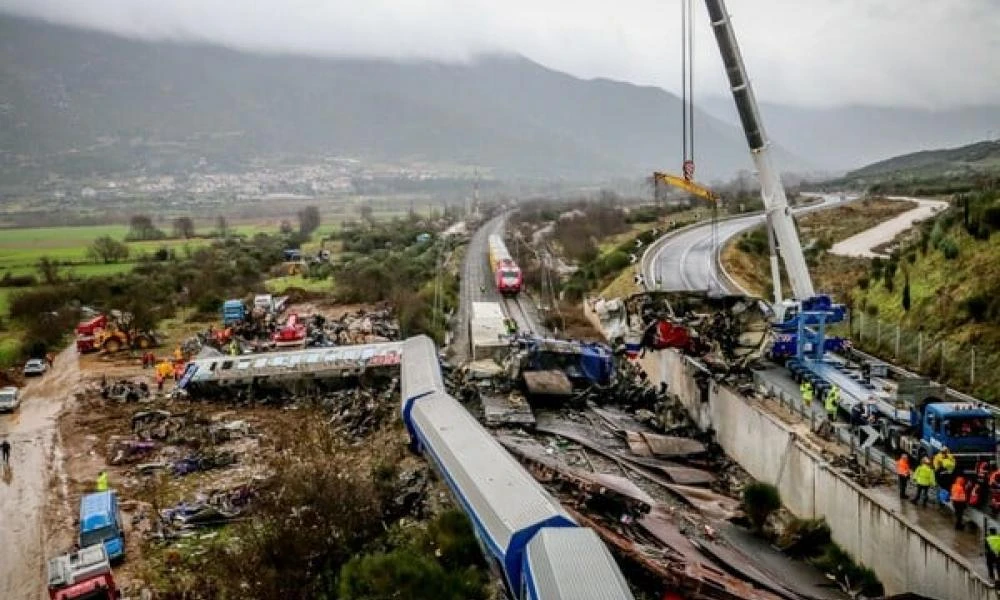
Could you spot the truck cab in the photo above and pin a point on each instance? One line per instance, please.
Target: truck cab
(265, 302)
(233, 311)
(967, 430)
(101, 523)
(82, 575)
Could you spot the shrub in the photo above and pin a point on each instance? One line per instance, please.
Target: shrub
(614, 262)
(406, 574)
(754, 242)
(948, 248)
(977, 306)
(760, 500)
(840, 564)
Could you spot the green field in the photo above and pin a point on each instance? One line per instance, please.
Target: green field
(278, 285)
(21, 249)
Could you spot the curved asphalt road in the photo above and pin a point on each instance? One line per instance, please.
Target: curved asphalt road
(686, 260)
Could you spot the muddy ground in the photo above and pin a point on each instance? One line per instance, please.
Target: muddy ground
(62, 437)
(35, 468)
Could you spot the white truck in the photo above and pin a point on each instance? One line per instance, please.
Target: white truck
(10, 399)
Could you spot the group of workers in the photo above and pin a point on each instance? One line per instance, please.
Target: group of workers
(961, 491)
(938, 472)
(977, 490)
(830, 401)
(165, 369)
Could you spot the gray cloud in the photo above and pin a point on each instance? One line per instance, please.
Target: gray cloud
(922, 53)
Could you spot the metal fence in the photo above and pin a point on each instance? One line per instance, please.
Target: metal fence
(961, 366)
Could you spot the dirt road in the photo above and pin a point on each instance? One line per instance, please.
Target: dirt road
(24, 488)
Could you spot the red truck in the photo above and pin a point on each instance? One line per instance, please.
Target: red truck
(82, 575)
(86, 334)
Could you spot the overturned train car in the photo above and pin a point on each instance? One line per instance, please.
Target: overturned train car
(279, 374)
(526, 536)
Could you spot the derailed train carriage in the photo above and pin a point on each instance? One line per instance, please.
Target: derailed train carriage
(280, 374)
(526, 535)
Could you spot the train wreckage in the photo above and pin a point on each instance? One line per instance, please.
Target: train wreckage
(266, 372)
(728, 332)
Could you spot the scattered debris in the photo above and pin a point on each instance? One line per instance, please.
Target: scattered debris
(727, 332)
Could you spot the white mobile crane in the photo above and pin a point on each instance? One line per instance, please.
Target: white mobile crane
(803, 317)
(924, 423)
(783, 238)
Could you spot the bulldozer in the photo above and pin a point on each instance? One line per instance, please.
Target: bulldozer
(120, 334)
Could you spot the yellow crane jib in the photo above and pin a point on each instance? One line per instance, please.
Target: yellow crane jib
(688, 186)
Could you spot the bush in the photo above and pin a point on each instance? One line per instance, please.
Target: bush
(840, 564)
(614, 262)
(754, 242)
(9, 280)
(977, 306)
(760, 500)
(405, 574)
(948, 248)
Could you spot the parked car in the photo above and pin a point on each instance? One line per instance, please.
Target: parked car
(35, 366)
(10, 399)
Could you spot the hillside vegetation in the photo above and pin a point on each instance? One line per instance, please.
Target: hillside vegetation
(943, 283)
(946, 171)
(746, 257)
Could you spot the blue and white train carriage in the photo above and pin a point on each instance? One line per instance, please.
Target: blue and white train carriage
(523, 531)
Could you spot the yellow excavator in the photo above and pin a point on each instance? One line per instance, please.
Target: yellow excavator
(119, 334)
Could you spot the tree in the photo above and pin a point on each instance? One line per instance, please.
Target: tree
(285, 227)
(366, 212)
(48, 269)
(906, 292)
(141, 228)
(107, 250)
(221, 226)
(184, 227)
(308, 220)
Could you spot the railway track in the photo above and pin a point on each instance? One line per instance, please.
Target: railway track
(514, 309)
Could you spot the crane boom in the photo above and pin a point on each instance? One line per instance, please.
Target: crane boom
(688, 186)
(779, 215)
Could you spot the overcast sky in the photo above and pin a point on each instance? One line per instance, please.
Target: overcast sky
(925, 53)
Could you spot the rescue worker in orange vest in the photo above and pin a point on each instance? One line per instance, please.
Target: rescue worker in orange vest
(959, 500)
(903, 472)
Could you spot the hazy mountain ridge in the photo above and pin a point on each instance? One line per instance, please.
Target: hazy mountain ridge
(981, 156)
(850, 137)
(138, 104)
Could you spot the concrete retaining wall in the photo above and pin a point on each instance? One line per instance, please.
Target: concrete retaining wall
(905, 557)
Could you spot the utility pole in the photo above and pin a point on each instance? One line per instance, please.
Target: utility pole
(475, 192)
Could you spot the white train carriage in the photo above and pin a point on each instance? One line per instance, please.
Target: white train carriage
(507, 507)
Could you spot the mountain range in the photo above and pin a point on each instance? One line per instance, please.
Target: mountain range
(845, 138)
(76, 101)
(86, 100)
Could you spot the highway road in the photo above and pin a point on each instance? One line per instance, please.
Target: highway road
(686, 260)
